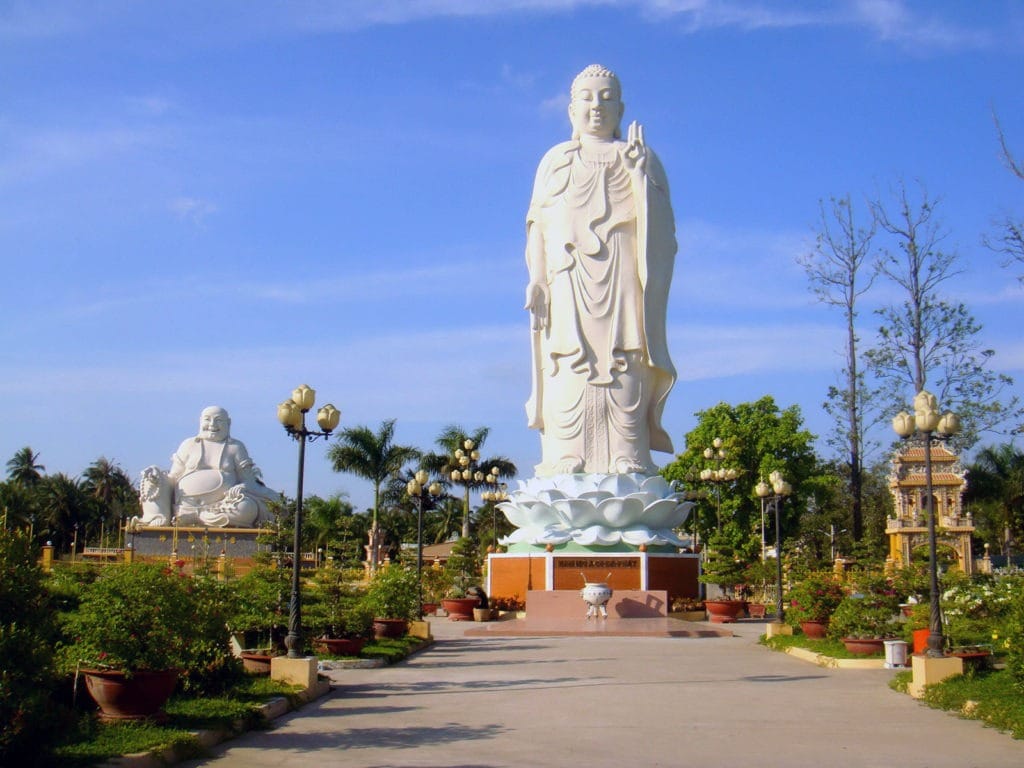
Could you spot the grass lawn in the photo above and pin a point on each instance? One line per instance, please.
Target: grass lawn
(91, 742)
(825, 646)
(991, 696)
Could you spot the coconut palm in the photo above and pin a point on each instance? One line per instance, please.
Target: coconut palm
(22, 468)
(63, 504)
(371, 455)
(462, 464)
(111, 489)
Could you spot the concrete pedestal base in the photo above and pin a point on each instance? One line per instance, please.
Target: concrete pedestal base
(928, 671)
(778, 628)
(294, 671)
(420, 629)
(512, 575)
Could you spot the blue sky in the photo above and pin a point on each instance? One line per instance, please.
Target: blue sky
(211, 203)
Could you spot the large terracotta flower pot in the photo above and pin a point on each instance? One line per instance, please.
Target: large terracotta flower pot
(757, 610)
(389, 628)
(864, 646)
(814, 629)
(256, 662)
(137, 697)
(460, 608)
(724, 611)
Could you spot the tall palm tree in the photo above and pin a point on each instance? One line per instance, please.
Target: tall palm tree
(111, 489)
(62, 505)
(461, 454)
(374, 456)
(22, 468)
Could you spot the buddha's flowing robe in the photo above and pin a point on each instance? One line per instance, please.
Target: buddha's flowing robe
(601, 368)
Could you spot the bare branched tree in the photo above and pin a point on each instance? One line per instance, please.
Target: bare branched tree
(927, 339)
(1008, 239)
(840, 271)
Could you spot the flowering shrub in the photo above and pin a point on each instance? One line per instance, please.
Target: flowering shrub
(1013, 641)
(974, 608)
(145, 617)
(814, 598)
(26, 659)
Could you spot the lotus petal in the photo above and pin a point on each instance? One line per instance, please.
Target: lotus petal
(551, 536)
(666, 536)
(596, 535)
(514, 514)
(517, 536)
(575, 513)
(645, 497)
(666, 513)
(595, 496)
(540, 514)
(657, 485)
(619, 513)
(638, 535)
(619, 485)
(550, 494)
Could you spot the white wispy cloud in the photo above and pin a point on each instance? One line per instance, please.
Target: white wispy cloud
(32, 153)
(194, 209)
(895, 21)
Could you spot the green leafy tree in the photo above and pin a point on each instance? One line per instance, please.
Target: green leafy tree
(996, 493)
(759, 439)
(373, 456)
(840, 273)
(926, 339)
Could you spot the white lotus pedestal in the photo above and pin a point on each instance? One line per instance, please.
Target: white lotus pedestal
(573, 529)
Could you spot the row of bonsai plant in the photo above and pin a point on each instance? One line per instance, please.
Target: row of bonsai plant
(983, 613)
(96, 622)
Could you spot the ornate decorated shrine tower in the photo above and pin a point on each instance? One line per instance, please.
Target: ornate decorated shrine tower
(908, 530)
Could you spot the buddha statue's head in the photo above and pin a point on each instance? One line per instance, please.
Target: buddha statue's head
(595, 104)
(214, 424)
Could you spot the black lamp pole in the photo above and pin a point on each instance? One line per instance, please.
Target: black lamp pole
(292, 415)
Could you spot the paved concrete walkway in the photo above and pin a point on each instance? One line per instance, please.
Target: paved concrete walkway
(589, 702)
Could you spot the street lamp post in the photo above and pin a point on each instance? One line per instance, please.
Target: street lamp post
(466, 474)
(717, 475)
(774, 494)
(421, 494)
(925, 422)
(292, 415)
(498, 493)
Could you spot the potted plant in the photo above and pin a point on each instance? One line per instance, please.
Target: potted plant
(257, 618)
(462, 568)
(729, 553)
(865, 618)
(812, 601)
(393, 600)
(688, 608)
(130, 638)
(436, 582)
(337, 615)
(759, 587)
